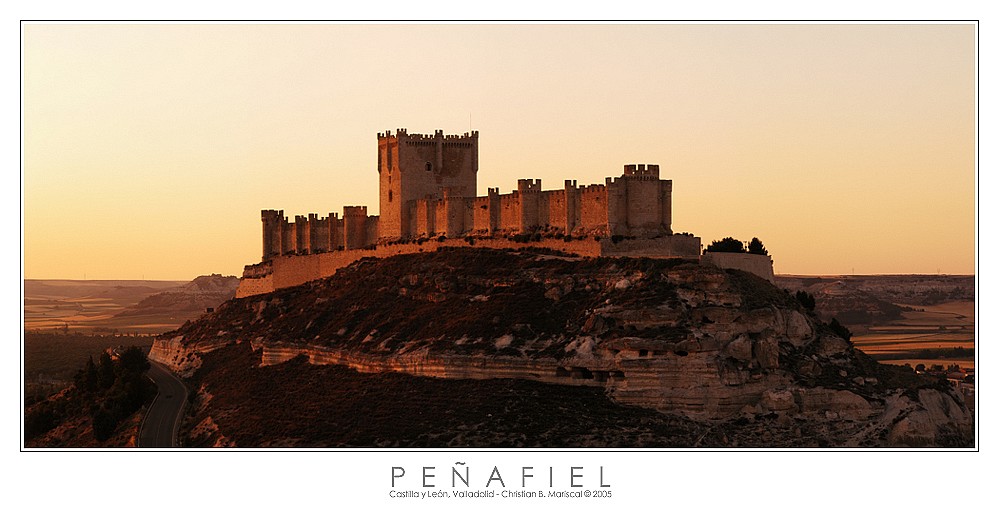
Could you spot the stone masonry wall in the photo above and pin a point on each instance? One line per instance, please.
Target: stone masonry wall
(291, 270)
(761, 265)
(593, 207)
(510, 212)
(555, 213)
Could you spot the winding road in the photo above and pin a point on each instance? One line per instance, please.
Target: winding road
(159, 427)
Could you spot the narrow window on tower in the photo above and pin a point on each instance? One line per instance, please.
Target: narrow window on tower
(427, 166)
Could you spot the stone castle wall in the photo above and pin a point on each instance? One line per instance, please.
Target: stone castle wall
(593, 210)
(761, 265)
(291, 270)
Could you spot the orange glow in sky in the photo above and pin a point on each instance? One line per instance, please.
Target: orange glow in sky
(149, 150)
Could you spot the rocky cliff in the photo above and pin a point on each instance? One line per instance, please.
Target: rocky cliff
(708, 344)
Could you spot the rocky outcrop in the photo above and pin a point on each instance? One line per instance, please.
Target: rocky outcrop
(707, 343)
(931, 418)
(183, 358)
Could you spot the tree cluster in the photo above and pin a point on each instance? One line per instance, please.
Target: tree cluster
(110, 391)
(807, 300)
(840, 330)
(732, 245)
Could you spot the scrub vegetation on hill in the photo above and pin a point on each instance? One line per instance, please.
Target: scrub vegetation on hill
(104, 394)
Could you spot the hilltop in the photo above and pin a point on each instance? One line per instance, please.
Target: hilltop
(666, 343)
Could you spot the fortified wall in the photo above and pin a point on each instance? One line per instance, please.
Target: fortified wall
(761, 265)
(291, 270)
(427, 186)
(313, 234)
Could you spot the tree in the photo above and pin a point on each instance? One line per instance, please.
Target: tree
(726, 245)
(104, 423)
(807, 300)
(86, 379)
(840, 330)
(105, 371)
(756, 247)
(133, 360)
(40, 419)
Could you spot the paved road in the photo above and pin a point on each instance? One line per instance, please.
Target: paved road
(159, 428)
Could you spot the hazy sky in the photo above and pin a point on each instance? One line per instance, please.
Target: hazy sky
(149, 150)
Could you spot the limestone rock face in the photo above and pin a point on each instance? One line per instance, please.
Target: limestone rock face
(779, 400)
(740, 348)
(767, 353)
(676, 337)
(841, 403)
(798, 329)
(828, 345)
(933, 418)
(181, 357)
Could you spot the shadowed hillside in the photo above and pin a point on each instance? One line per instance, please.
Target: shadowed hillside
(682, 342)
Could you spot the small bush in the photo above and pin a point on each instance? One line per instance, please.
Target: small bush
(807, 300)
(756, 247)
(726, 245)
(840, 330)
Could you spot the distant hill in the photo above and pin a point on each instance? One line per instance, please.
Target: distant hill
(868, 300)
(110, 306)
(187, 302)
(126, 290)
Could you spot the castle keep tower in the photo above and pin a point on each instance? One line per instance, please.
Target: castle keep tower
(639, 203)
(417, 167)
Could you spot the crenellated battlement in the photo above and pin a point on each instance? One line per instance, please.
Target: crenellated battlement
(401, 134)
(529, 185)
(642, 170)
(355, 211)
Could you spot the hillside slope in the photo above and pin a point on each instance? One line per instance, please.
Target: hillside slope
(691, 342)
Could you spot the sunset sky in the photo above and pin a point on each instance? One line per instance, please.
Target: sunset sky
(149, 150)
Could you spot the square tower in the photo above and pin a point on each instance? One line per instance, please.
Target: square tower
(416, 166)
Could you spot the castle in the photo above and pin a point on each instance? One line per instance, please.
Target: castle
(427, 187)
